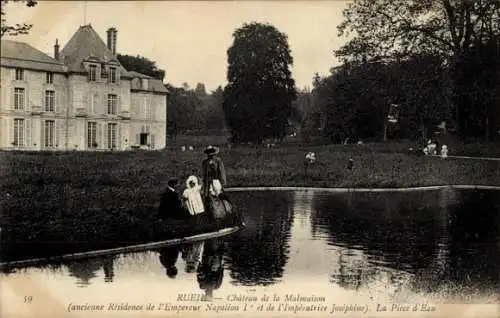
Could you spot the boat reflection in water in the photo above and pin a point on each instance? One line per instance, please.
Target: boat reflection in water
(205, 258)
(430, 246)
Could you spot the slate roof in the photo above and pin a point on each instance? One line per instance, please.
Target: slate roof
(84, 45)
(23, 55)
(138, 75)
(154, 85)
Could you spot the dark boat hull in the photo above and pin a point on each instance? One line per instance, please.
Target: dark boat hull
(124, 249)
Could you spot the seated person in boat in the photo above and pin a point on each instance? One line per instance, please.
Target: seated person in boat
(192, 196)
(170, 204)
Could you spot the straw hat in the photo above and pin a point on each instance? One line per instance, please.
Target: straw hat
(211, 150)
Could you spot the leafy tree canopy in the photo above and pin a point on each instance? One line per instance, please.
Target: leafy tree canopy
(18, 28)
(462, 32)
(260, 90)
(389, 28)
(142, 65)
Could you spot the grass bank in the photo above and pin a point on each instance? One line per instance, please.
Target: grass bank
(82, 200)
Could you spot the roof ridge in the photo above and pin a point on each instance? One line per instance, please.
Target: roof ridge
(84, 43)
(22, 51)
(32, 60)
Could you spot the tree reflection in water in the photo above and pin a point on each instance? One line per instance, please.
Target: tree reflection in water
(373, 231)
(474, 233)
(258, 254)
(430, 240)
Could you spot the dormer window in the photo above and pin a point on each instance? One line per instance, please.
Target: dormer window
(92, 73)
(113, 78)
(19, 74)
(50, 78)
(144, 83)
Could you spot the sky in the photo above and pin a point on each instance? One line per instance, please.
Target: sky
(189, 40)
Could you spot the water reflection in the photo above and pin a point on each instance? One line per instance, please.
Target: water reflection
(211, 271)
(429, 240)
(168, 258)
(86, 270)
(191, 254)
(258, 254)
(380, 245)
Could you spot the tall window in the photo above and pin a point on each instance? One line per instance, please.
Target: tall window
(18, 133)
(19, 74)
(147, 114)
(93, 73)
(93, 102)
(92, 135)
(18, 98)
(112, 104)
(50, 102)
(112, 75)
(112, 135)
(49, 134)
(49, 78)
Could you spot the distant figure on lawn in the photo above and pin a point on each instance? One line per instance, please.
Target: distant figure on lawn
(192, 196)
(170, 204)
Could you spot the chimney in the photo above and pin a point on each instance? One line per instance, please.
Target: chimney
(112, 40)
(56, 50)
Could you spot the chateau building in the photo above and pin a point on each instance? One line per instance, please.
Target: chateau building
(82, 98)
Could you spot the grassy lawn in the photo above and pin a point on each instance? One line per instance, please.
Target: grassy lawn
(99, 197)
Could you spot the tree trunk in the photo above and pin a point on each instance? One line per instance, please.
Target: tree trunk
(385, 130)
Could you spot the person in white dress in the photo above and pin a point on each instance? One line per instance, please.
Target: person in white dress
(192, 196)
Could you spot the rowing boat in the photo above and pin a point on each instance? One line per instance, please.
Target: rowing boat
(125, 249)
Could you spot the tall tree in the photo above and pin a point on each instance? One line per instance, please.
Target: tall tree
(260, 90)
(355, 98)
(142, 65)
(387, 29)
(18, 28)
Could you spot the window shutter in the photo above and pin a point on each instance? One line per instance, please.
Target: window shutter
(118, 104)
(10, 134)
(57, 129)
(104, 143)
(3, 135)
(12, 98)
(27, 100)
(42, 134)
(27, 129)
(57, 102)
(98, 136)
(86, 100)
(86, 130)
(137, 139)
(97, 104)
(152, 141)
(118, 136)
(104, 106)
(90, 102)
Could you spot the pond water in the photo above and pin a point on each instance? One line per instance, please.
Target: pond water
(310, 252)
